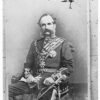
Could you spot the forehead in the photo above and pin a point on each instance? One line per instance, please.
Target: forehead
(46, 19)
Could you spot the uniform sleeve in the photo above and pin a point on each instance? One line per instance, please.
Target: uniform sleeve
(30, 56)
(67, 58)
(30, 59)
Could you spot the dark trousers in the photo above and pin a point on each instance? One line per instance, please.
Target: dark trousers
(18, 88)
(21, 88)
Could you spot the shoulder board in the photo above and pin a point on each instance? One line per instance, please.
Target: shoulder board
(37, 41)
(61, 39)
(40, 39)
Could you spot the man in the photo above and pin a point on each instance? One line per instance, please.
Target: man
(46, 56)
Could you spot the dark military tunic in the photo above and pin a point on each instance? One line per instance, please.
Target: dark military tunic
(63, 58)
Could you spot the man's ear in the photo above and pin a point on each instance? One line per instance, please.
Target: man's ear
(55, 26)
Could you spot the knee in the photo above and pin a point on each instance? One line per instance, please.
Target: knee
(9, 88)
(54, 94)
(10, 91)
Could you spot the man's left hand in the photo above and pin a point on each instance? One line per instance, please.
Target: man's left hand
(48, 81)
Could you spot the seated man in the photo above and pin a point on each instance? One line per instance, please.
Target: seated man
(46, 56)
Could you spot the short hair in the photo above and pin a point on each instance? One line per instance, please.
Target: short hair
(47, 15)
(27, 65)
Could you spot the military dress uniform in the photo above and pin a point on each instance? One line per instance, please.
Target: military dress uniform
(44, 58)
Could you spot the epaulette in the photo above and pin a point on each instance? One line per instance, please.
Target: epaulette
(36, 41)
(62, 38)
(39, 40)
(69, 44)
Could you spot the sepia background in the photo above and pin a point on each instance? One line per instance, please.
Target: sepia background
(21, 28)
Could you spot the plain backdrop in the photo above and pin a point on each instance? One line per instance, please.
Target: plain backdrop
(21, 28)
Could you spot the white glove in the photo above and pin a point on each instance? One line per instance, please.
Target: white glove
(23, 79)
(48, 81)
(31, 79)
(38, 78)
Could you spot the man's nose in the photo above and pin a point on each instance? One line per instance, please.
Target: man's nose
(26, 72)
(46, 26)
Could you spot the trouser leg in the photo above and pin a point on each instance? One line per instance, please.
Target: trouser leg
(12, 98)
(54, 94)
(18, 88)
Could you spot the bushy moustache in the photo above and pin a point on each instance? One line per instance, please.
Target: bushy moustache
(47, 31)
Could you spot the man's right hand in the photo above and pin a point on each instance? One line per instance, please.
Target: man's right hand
(38, 78)
(31, 79)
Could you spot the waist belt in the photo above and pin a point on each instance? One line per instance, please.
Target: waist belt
(47, 70)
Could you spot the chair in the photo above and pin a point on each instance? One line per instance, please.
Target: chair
(62, 90)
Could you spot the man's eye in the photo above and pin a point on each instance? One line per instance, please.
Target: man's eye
(49, 23)
(43, 25)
